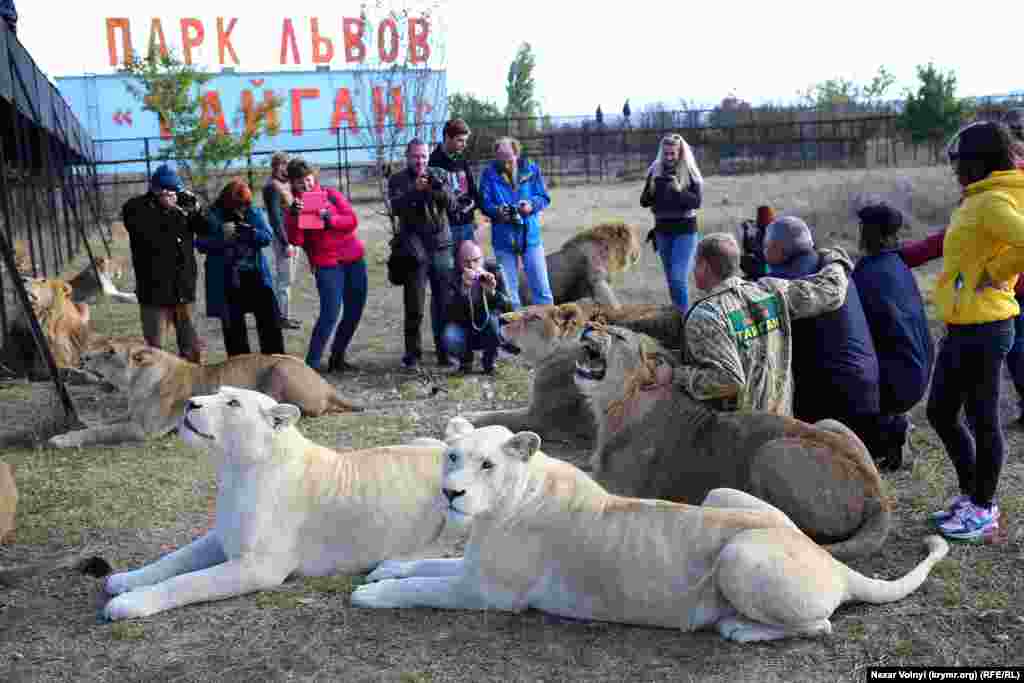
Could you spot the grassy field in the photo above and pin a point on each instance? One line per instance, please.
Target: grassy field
(131, 503)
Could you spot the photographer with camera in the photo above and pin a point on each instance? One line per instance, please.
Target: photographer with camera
(512, 195)
(478, 297)
(162, 225)
(420, 198)
(449, 156)
(752, 262)
(238, 278)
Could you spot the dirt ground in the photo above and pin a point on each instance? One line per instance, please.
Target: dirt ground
(967, 613)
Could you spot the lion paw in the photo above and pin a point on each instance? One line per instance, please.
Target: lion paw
(118, 583)
(128, 606)
(390, 569)
(67, 440)
(374, 595)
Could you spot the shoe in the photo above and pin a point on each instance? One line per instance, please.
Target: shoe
(410, 362)
(444, 361)
(488, 370)
(465, 368)
(290, 324)
(337, 363)
(971, 523)
(955, 503)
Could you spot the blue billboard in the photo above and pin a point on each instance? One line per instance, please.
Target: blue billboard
(321, 112)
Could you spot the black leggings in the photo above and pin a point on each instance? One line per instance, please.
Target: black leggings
(253, 295)
(967, 372)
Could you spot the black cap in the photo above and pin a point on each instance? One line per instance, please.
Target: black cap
(881, 215)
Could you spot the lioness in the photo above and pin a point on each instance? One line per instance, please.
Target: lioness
(159, 383)
(547, 536)
(64, 323)
(285, 505)
(8, 500)
(582, 267)
(654, 441)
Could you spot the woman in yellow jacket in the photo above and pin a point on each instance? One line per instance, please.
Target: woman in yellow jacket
(983, 251)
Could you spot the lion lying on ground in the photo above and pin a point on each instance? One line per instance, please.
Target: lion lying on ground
(547, 536)
(8, 500)
(583, 266)
(159, 383)
(64, 323)
(654, 441)
(285, 506)
(547, 337)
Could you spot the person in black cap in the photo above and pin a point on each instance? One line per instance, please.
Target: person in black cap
(162, 225)
(899, 329)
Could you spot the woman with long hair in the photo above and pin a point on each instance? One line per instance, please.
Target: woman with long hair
(673, 192)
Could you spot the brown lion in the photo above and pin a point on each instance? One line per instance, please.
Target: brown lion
(655, 441)
(64, 323)
(584, 265)
(8, 500)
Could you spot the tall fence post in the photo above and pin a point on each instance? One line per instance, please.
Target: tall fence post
(149, 171)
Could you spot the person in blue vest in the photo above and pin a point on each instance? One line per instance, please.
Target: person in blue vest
(835, 366)
(899, 328)
(513, 195)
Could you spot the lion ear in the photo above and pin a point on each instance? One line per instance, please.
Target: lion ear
(282, 416)
(521, 446)
(457, 428)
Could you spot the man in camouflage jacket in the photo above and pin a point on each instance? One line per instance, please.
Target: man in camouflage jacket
(737, 339)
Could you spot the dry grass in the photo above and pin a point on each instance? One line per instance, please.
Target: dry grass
(133, 502)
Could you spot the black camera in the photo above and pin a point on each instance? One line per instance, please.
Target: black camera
(188, 200)
(510, 213)
(752, 261)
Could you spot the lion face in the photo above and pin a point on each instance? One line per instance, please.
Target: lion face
(481, 468)
(541, 330)
(123, 364)
(235, 421)
(615, 362)
(44, 293)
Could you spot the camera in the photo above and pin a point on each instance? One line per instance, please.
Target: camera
(752, 259)
(188, 200)
(510, 213)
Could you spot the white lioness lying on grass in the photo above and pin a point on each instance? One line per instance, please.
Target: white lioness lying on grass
(547, 536)
(286, 505)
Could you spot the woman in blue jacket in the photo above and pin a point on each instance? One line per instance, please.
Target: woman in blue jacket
(513, 195)
(238, 279)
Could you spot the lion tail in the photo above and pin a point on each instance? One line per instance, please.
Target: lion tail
(877, 591)
(94, 566)
(870, 535)
(337, 404)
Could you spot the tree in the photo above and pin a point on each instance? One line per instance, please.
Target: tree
(197, 134)
(472, 109)
(841, 93)
(934, 112)
(519, 87)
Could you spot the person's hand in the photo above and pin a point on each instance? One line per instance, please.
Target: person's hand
(422, 183)
(488, 281)
(468, 276)
(297, 206)
(986, 281)
(525, 207)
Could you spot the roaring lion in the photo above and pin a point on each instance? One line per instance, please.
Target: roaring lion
(654, 441)
(64, 323)
(548, 338)
(285, 505)
(547, 536)
(584, 264)
(160, 383)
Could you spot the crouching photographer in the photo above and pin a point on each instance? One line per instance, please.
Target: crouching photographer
(478, 297)
(238, 279)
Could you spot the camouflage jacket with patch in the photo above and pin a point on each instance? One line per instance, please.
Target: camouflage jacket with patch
(737, 341)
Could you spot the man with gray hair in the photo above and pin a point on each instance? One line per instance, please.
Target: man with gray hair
(737, 343)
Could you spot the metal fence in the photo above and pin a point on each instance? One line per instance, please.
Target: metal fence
(48, 192)
(585, 149)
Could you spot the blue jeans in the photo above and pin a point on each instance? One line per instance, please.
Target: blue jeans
(462, 340)
(677, 252)
(967, 373)
(344, 285)
(536, 267)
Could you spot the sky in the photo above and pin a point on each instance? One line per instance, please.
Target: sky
(589, 54)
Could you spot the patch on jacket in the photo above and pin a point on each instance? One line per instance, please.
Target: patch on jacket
(760, 318)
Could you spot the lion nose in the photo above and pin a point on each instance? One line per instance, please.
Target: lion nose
(191, 405)
(452, 494)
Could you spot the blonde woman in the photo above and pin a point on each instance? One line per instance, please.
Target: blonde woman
(673, 192)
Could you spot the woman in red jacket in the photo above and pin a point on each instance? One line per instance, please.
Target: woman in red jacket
(336, 258)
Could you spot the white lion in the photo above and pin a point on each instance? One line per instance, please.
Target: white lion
(547, 536)
(286, 505)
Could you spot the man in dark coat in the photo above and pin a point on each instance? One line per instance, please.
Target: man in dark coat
(899, 327)
(835, 367)
(161, 229)
(450, 156)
